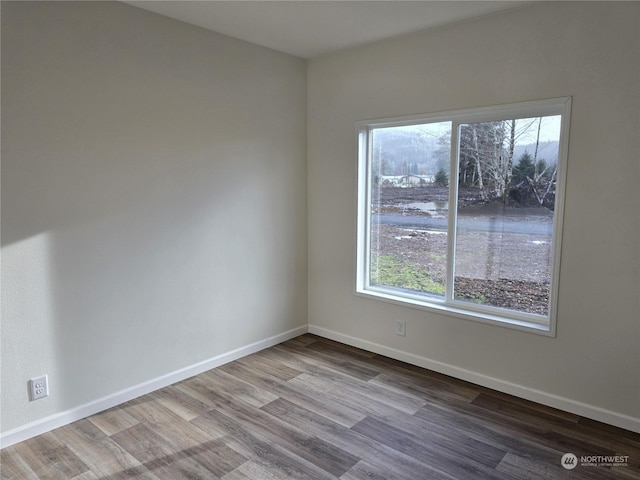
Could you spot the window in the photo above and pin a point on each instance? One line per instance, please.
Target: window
(461, 212)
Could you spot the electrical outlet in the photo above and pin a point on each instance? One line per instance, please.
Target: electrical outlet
(401, 328)
(38, 387)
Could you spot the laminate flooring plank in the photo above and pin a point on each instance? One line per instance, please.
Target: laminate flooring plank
(364, 471)
(587, 442)
(534, 431)
(304, 340)
(528, 405)
(144, 445)
(259, 449)
(444, 441)
(308, 362)
(397, 374)
(107, 472)
(623, 442)
(91, 475)
(261, 363)
(332, 352)
(233, 405)
(49, 458)
(632, 472)
(398, 398)
(180, 403)
(522, 411)
(14, 467)
(606, 442)
(356, 397)
(626, 437)
(340, 360)
(221, 381)
(397, 464)
(255, 471)
(561, 431)
(524, 469)
(187, 439)
(202, 391)
(319, 343)
(97, 450)
(199, 389)
(295, 440)
(246, 372)
(461, 468)
(326, 403)
(166, 461)
(387, 395)
(214, 387)
(150, 411)
(113, 420)
(170, 427)
(575, 439)
(313, 386)
(179, 468)
(321, 406)
(487, 432)
(425, 388)
(421, 376)
(217, 457)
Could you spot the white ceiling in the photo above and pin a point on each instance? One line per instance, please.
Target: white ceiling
(308, 28)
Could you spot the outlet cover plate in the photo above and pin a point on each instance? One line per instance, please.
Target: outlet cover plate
(38, 387)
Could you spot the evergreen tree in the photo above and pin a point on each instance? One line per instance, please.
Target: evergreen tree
(441, 179)
(543, 170)
(525, 168)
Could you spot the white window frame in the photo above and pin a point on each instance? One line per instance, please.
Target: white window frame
(541, 324)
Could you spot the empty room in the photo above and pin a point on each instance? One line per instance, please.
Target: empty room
(320, 240)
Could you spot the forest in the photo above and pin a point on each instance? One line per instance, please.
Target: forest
(512, 161)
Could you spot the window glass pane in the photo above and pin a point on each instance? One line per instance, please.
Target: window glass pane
(409, 194)
(506, 195)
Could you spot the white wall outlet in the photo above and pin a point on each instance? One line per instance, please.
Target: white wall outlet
(38, 387)
(401, 328)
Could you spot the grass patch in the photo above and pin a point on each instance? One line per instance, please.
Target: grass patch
(393, 272)
(479, 299)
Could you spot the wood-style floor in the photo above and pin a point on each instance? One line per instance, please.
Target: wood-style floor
(311, 408)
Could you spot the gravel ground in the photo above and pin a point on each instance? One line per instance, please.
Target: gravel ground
(502, 270)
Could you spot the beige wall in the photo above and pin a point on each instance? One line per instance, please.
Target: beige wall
(153, 199)
(590, 51)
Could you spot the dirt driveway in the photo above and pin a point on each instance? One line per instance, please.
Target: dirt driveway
(502, 269)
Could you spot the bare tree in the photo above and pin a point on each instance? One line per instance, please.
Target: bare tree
(542, 184)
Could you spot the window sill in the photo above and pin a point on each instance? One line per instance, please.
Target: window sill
(530, 326)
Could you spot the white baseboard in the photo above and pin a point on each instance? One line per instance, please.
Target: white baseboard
(60, 419)
(544, 398)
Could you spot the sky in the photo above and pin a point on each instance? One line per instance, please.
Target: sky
(549, 131)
